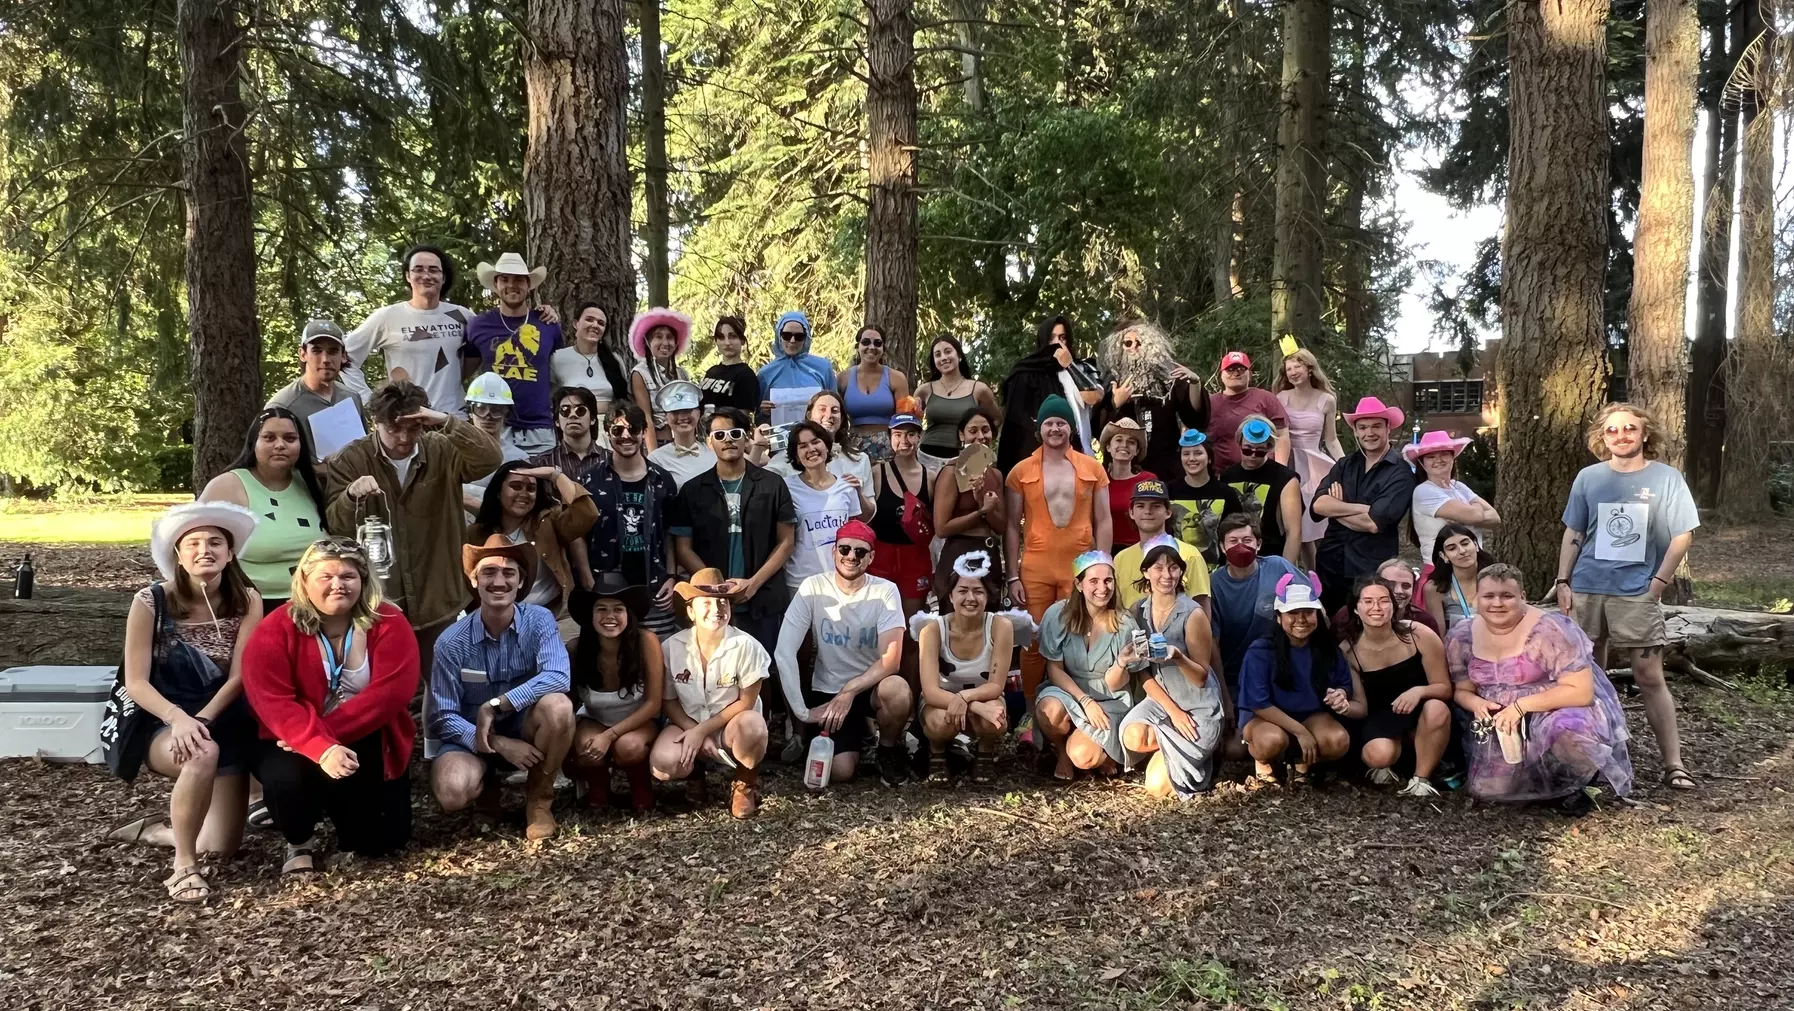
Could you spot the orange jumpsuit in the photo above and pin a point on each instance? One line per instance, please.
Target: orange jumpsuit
(1048, 550)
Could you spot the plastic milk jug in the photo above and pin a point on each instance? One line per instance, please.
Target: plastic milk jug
(821, 762)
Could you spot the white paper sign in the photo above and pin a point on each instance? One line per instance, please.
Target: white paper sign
(788, 404)
(335, 427)
(1620, 533)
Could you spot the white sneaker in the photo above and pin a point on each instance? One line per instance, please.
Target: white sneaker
(1418, 787)
(1383, 777)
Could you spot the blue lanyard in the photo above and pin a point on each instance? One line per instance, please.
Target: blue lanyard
(1463, 605)
(333, 668)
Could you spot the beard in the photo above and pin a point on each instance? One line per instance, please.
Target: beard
(1146, 376)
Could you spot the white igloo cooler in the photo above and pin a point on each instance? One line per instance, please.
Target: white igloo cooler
(54, 712)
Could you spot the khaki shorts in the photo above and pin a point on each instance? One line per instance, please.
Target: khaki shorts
(1625, 622)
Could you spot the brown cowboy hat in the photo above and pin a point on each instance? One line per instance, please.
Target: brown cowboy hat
(499, 546)
(704, 583)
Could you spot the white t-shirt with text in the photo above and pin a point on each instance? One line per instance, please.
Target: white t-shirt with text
(426, 343)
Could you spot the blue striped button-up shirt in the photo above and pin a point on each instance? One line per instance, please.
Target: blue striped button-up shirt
(524, 663)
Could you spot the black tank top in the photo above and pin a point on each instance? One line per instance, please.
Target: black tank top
(887, 522)
(1381, 686)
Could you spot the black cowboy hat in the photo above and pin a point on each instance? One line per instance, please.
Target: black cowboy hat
(611, 586)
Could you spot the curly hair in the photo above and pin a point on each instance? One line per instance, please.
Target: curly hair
(1148, 370)
(393, 400)
(1651, 438)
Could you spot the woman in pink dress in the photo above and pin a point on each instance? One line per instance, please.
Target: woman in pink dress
(1308, 398)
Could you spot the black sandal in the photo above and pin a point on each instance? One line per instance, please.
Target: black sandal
(297, 852)
(1677, 778)
(259, 818)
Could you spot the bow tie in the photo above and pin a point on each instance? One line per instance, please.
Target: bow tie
(697, 449)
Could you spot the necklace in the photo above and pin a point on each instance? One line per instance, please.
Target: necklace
(504, 321)
(956, 393)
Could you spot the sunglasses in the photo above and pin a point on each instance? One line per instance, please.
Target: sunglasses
(729, 434)
(1254, 451)
(1628, 428)
(792, 335)
(871, 342)
(857, 554)
(1236, 368)
(622, 432)
(574, 411)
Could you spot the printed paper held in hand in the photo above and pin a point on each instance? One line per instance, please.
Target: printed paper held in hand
(335, 427)
(788, 404)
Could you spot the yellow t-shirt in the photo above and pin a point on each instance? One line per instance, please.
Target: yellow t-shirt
(1127, 572)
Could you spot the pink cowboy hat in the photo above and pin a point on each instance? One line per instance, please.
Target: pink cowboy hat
(644, 322)
(1371, 407)
(1435, 441)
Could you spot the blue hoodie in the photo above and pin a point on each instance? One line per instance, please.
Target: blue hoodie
(803, 371)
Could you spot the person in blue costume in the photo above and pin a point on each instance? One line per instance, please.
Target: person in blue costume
(793, 367)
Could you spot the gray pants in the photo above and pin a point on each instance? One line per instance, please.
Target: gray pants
(1190, 764)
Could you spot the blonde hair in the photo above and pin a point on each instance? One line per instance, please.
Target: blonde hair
(1598, 445)
(333, 549)
(1317, 377)
(1080, 619)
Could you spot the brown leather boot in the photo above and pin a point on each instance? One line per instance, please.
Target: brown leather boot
(538, 806)
(744, 793)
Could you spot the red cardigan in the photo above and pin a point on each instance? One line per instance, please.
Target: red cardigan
(283, 676)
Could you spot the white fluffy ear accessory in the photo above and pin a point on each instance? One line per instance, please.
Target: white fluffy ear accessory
(972, 565)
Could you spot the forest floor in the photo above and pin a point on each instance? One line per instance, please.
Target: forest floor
(1016, 895)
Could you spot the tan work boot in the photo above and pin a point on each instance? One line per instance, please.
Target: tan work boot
(744, 793)
(538, 806)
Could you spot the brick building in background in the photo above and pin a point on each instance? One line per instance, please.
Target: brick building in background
(1437, 389)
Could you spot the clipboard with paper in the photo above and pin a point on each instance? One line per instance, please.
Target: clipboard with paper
(788, 404)
(335, 427)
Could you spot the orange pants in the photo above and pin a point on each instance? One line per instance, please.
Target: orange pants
(1046, 579)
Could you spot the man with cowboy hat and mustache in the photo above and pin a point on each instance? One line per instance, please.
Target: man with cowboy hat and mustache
(499, 691)
(517, 342)
(1366, 494)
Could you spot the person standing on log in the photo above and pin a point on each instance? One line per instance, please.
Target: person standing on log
(1627, 526)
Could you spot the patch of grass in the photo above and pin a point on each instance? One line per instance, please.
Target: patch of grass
(1183, 983)
(121, 519)
(1749, 594)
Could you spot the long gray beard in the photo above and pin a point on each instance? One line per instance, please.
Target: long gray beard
(1146, 379)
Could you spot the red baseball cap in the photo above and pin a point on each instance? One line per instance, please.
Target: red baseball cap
(858, 530)
(1233, 358)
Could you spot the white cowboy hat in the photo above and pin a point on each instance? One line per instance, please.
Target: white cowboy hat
(168, 529)
(508, 263)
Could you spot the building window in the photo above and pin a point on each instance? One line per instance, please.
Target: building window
(1459, 397)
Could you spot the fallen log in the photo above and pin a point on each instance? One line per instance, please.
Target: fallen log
(63, 626)
(1703, 639)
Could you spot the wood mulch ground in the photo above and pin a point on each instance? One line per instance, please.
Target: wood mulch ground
(1019, 895)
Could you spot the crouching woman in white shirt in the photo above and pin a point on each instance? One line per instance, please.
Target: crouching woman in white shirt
(714, 673)
(963, 654)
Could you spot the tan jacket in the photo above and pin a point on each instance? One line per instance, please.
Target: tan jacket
(552, 530)
(425, 515)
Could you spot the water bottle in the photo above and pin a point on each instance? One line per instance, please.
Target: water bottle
(25, 580)
(821, 763)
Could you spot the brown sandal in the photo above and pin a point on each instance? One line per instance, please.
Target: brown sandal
(187, 886)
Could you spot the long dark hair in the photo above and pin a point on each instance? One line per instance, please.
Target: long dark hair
(1322, 651)
(491, 517)
(1441, 577)
(965, 364)
(302, 467)
(630, 655)
(1043, 334)
(1353, 627)
(607, 358)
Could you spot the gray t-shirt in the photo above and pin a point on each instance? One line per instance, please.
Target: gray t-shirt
(1627, 521)
(304, 403)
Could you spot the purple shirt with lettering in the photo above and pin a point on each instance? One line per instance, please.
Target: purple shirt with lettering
(518, 349)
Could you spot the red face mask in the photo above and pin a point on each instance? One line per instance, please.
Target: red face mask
(1241, 555)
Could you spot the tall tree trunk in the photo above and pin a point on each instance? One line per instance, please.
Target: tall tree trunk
(1657, 351)
(576, 187)
(654, 142)
(1706, 379)
(968, 15)
(1550, 370)
(1230, 203)
(224, 357)
(1755, 370)
(1357, 305)
(891, 225)
(1296, 283)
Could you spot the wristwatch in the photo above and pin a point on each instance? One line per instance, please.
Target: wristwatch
(497, 704)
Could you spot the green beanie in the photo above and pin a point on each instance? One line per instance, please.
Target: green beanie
(1056, 406)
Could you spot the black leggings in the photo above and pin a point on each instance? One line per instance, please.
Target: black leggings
(372, 814)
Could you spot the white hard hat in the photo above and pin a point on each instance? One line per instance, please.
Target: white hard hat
(488, 388)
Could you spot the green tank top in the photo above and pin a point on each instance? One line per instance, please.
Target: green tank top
(289, 523)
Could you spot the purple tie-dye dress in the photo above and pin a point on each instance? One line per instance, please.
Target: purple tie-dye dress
(1566, 749)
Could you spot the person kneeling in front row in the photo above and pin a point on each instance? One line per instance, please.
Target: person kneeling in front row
(498, 692)
(857, 620)
(964, 651)
(1293, 682)
(330, 676)
(714, 674)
